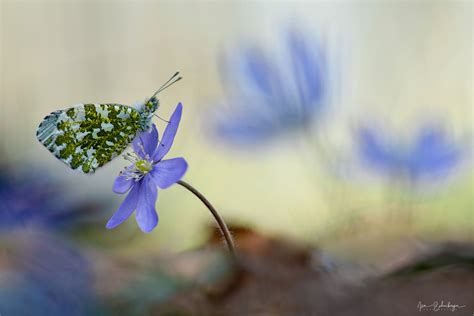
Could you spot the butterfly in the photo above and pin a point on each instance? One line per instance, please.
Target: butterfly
(87, 136)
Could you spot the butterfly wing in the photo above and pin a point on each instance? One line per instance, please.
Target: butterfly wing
(87, 136)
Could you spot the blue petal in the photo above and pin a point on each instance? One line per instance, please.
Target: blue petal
(258, 71)
(122, 185)
(146, 215)
(308, 70)
(375, 152)
(146, 142)
(169, 134)
(246, 128)
(168, 172)
(126, 208)
(432, 154)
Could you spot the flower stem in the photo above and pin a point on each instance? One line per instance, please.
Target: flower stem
(220, 221)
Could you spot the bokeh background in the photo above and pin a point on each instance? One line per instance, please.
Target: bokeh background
(397, 63)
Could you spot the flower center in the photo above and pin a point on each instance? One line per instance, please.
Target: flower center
(139, 168)
(144, 166)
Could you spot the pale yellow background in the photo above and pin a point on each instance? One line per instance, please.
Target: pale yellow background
(396, 61)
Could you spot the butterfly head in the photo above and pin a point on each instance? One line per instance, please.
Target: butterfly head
(146, 112)
(151, 105)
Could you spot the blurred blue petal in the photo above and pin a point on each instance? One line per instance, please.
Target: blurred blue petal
(259, 71)
(428, 155)
(433, 154)
(307, 66)
(243, 129)
(375, 151)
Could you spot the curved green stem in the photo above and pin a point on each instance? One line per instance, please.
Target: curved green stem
(222, 226)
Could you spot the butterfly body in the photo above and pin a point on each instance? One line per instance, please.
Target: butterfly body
(87, 136)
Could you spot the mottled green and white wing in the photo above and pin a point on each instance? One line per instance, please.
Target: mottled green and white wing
(88, 136)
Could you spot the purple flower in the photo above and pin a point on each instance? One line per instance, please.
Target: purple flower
(147, 172)
(429, 155)
(270, 96)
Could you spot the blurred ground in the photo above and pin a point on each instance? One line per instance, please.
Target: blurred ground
(280, 278)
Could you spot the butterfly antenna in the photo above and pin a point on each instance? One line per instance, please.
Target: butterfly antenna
(168, 83)
(161, 118)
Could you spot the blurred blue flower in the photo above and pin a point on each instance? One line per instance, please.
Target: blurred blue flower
(43, 275)
(429, 155)
(33, 200)
(40, 272)
(269, 97)
(148, 171)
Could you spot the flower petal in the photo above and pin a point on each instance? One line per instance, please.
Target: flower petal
(146, 215)
(308, 70)
(376, 152)
(245, 128)
(146, 142)
(122, 185)
(168, 172)
(126, 208)
(258, 70)
(169, 134)
(433, 153)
